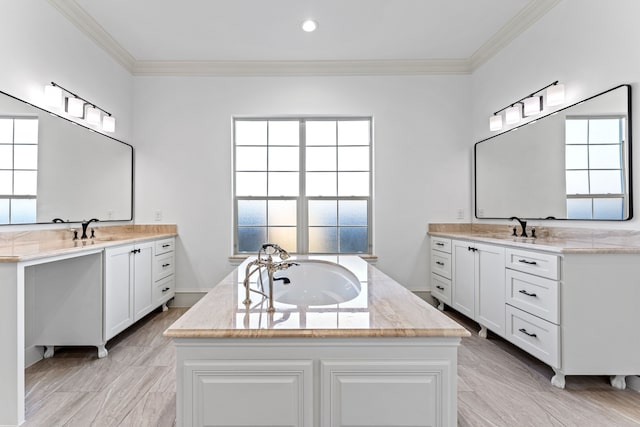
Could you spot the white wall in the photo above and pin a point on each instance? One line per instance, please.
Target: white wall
(183, 143)
(588, 45)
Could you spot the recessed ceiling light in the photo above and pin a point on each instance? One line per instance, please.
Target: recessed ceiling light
(309, 25)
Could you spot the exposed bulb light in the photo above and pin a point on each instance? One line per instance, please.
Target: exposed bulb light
(512, 114)
(75, 107)
(92, 115)
(495, 122)
(309, 26)
(532, 105)
(53, 96)
(108, 124)
(555, 95)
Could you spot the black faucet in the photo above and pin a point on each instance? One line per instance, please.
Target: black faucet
(523, 224)
(85, 224)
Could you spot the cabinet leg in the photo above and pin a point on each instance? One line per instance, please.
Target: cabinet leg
(440, 304)
(558, 379)
(164, 307)
(102, 351)
(49, 350)
(483, 331)
(618, 381)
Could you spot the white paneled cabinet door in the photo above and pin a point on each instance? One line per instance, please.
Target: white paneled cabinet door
(463, 277)
(143, 279)
(490, 287)
(118, 290)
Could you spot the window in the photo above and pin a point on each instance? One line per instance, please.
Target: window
(595, 181)
(18, 169)
(303, 183)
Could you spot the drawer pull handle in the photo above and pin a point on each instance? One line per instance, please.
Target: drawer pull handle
(165, 265)
(439, 244)
(440, 263)
(522, 291)
(136, 251)
(166, 245)
(165, 290)
(440, 287)
(524, 331)
(524, 261)
(469, 248)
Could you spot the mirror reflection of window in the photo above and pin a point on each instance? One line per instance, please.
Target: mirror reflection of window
(594, 174)
(18, 169)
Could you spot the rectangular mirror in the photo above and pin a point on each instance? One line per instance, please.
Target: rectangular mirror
(51, 167)
(572, 164)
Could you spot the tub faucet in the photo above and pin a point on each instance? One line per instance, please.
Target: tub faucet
(85, 224)
(265, 260)
(523, 224)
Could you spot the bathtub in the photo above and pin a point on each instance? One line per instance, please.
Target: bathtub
(314, 283)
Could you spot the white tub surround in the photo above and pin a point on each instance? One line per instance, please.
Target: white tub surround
(549, 295)
(384, 358)
(56, 292)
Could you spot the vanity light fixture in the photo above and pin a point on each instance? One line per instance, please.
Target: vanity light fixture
(555, 95)
(77, 106)
(53, 96)
(495, 122)
(309, 26)
(529, 105)
(532, 105)
(513, 114)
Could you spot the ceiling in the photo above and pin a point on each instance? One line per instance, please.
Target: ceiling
(258, 37)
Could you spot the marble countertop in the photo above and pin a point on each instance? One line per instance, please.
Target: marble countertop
(30, 245)
(384, 308)
(557, 240)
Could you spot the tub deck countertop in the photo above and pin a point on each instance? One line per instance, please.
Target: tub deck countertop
(384, 308)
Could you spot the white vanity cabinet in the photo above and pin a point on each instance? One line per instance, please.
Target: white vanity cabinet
(137, 279)
(163, 273)
(478, 283)
(441, 270)
(128, 286)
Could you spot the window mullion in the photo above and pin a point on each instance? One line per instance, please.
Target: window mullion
(303, 215)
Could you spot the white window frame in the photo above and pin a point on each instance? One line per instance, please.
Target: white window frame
(302, 199)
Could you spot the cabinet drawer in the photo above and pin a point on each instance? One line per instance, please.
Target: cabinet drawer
(534, 335)
(441, 288)
(441, 263)
(533, 294)
(165, 245)
(163, 266)
(540, 264)
(441, 244)
(164, 289)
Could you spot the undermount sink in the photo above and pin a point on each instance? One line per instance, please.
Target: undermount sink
(314, 282)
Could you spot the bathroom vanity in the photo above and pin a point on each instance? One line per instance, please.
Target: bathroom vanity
(383, 358)
(58, 291)
(568, 298)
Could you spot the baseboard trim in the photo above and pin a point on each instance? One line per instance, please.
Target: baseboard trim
(187, 298)
(633, 382)
(32, 355)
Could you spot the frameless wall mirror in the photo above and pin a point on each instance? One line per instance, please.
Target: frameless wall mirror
(572, 164)
(51, 168)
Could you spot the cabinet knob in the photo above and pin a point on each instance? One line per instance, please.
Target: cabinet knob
(524, 331)
(522, 291)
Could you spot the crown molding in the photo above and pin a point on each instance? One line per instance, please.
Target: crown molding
(528, 16)
(89, 26)
(300, 68)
